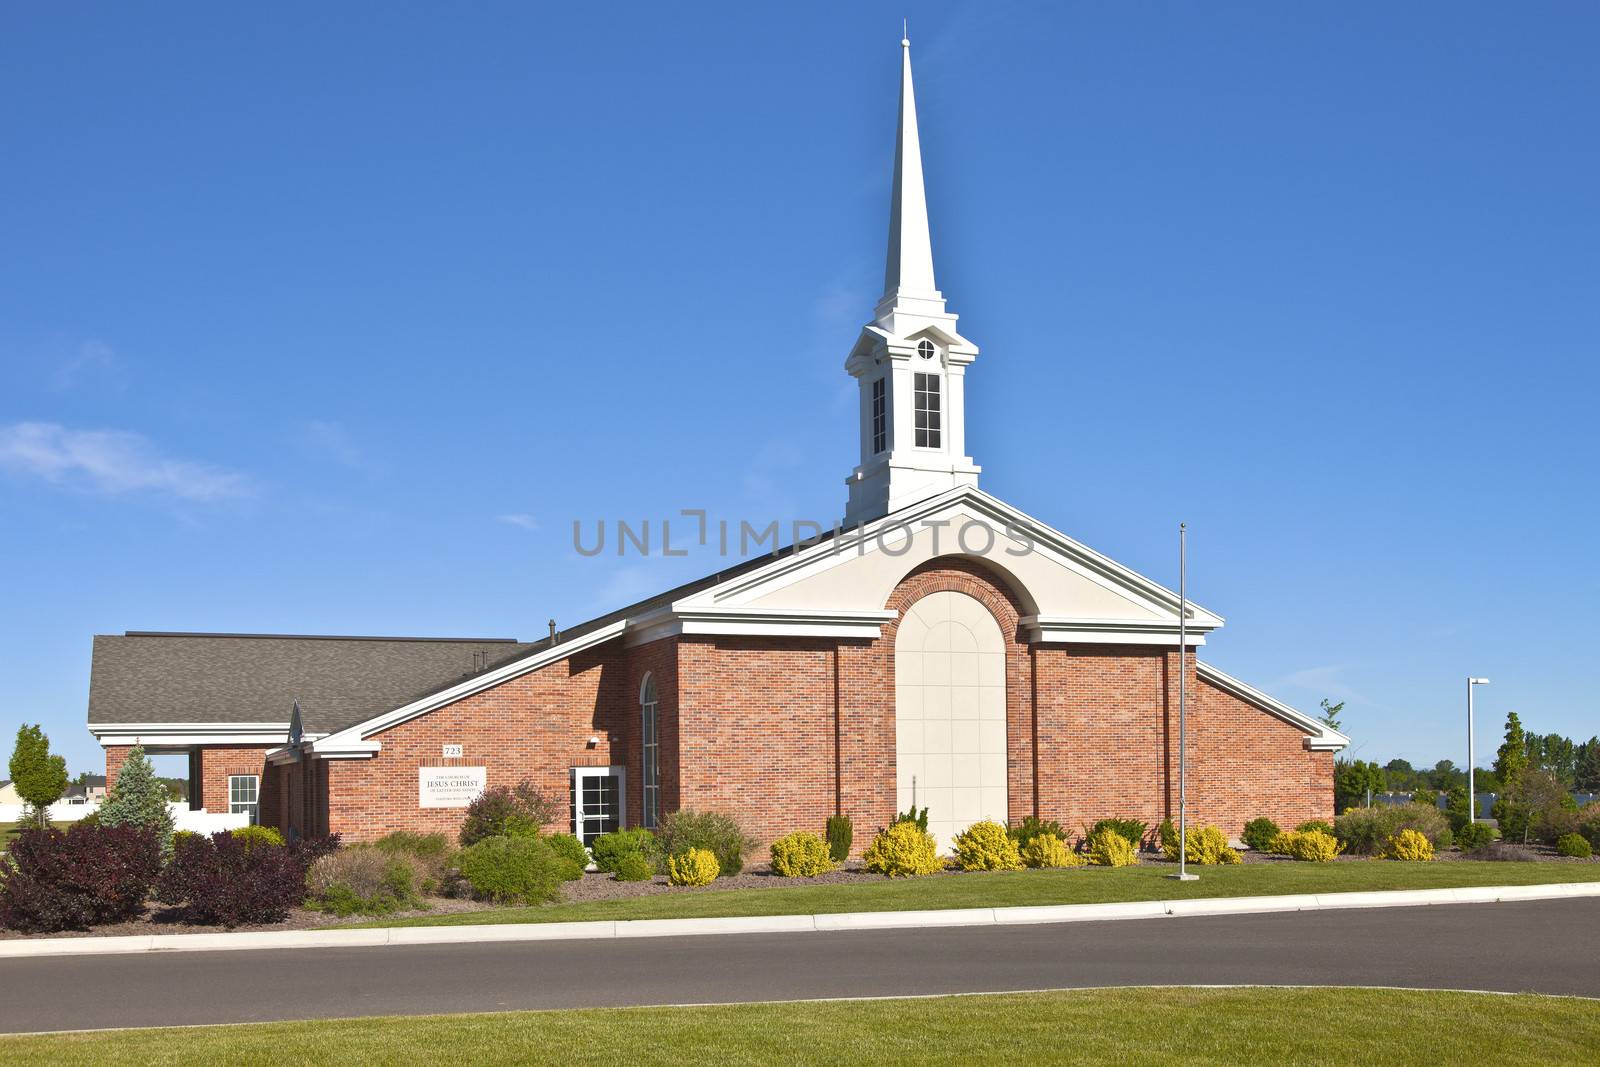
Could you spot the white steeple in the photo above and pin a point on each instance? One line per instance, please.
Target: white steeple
(909, 361)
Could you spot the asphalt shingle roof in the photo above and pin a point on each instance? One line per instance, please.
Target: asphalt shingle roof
(235, 678)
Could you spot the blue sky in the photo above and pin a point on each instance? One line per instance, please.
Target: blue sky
(332, 319)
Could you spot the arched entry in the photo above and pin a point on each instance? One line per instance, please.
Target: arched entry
(950, 713)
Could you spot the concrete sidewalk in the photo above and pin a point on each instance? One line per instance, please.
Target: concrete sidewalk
(780, 924)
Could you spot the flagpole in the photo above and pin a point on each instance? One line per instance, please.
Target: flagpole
(1183, 874)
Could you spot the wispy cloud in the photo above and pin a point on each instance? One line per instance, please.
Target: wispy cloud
(330, 440)
(110, 461)
(525, 522)
(1327, 680)
(90, 359)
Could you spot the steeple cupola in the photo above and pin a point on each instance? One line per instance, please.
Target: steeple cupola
(909, 361)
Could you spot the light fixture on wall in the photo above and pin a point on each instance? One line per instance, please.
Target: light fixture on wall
(594, 740)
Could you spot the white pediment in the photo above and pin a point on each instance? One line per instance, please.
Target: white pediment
(1067, 591)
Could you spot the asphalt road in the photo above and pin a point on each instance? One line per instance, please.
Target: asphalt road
(1543, 946)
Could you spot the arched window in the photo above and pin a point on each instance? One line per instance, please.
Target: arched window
(651, 754)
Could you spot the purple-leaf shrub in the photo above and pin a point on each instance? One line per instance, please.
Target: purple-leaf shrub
(74, 880)
(220, 881)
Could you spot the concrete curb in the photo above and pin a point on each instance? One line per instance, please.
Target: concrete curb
(782, 924)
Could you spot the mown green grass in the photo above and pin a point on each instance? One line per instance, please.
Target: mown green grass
(1003, 889)
(1396, 1028)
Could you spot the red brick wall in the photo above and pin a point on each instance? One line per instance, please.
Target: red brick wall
(763, 727)
(536, 726)
(216, 764)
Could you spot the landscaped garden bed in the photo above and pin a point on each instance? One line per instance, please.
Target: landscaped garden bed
(128, 873)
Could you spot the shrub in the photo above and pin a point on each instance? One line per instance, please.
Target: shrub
(1311, 846)
(919, 819)
(1410, 845)
(1318, 825)
(694, 866)
(1048, 850)
(1204, 845)
(225, 880)
(1258, 834)
(1574, 845)
(431, 852)
(72, 881)
(608, 849)
(1589, 823)
(985, 846)
(1457, 809)
(1475, 837)
(1130, 830)
(1107, 848)
(366, 879)
(801, 854)
(902, 850)
(1444, 840)
(569, 848)
(841, 832)
(1032, 827)
(633, 867)
(251, 836)
(138, 799)
(719, 834)
(507, 811)
(514, 870)
(1167, 835)
(1366, 831)
(1428, 797)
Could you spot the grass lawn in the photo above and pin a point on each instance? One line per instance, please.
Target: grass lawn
(1014, 888)
(1394, 1028)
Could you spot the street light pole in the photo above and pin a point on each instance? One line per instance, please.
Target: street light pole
(1472, 759)
(1183, 874)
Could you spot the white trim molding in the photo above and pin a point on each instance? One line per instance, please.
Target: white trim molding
(166, 734)
(1060, 629)
(1320, 737)
(698, 619)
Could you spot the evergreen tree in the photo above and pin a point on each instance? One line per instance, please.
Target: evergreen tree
(1512, 758)
(40, 777)
(1587, 775)
(138, 798)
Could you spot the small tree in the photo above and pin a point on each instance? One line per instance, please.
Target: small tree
(1512, 758)
(1330, 714)
(1353, 781)
(138, 799)
(40, 777)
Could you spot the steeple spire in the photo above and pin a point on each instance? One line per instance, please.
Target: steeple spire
(909, 361)
(910, 264)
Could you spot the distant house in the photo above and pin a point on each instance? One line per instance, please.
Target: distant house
(9, 794)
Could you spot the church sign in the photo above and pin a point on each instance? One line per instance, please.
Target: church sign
(449, 787)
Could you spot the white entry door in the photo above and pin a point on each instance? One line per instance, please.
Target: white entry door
(597, 799)
(950, 714)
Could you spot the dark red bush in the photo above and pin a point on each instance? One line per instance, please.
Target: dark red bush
(219, 881)
(74, 880)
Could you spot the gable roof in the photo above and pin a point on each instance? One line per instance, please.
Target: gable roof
(153, 679)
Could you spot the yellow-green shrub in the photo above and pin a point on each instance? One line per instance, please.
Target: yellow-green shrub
(985, 846)
(251, 836)
(1203, 845)
(1313, 846)
(1107, 848)
(801, 854)
(901, 850)
(697, 866)
(1410, 845)
(1048, 850)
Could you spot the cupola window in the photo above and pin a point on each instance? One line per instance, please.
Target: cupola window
(925, 349)
(927, 410)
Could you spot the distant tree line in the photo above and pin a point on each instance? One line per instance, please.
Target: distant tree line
(1549, 759)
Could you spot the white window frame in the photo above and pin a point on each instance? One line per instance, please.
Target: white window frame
(578, 776)
(880, 416)
(927, 420)
(649, 752)
(251, 808)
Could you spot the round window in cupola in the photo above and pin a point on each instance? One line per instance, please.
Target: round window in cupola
(925, 349)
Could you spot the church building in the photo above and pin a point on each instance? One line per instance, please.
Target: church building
(938, 648)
